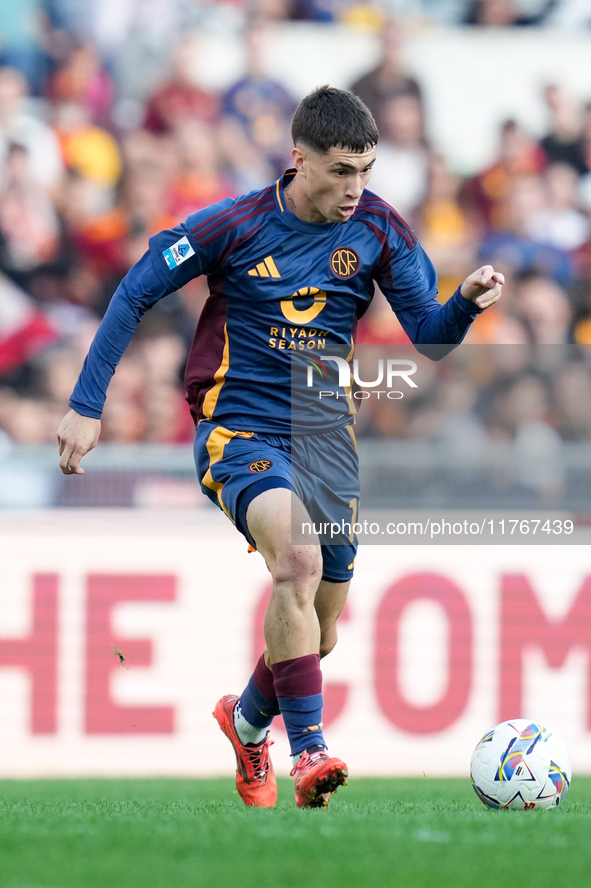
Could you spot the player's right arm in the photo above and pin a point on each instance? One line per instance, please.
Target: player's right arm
(173, 259)
(80, 429)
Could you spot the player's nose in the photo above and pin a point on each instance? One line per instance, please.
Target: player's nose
(354, 187)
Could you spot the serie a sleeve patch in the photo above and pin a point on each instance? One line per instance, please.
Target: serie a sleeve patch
(177, 253)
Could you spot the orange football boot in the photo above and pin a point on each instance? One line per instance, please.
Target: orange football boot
(317, 776)
(255, 777)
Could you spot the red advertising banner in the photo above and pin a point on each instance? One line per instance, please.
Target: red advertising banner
(119, 631)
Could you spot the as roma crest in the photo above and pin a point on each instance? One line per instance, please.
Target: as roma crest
(344, 262)
(260, 465)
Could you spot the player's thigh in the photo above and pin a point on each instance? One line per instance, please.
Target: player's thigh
(269, 518)
(235, 467)
(327, 469)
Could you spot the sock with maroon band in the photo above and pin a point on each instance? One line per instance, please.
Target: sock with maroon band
(298, 685)
(257, 706)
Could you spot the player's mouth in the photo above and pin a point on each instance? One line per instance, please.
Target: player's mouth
(347, 211)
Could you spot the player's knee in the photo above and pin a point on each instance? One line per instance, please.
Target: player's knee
(298, 568)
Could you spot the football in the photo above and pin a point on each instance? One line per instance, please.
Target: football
(520, 764)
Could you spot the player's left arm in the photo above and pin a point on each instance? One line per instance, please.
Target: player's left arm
(483, 287)
(436, 329)
(408, 279)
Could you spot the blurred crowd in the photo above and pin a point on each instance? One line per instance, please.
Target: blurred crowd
(92, 162)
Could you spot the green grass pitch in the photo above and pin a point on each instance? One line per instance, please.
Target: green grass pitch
(197, 834)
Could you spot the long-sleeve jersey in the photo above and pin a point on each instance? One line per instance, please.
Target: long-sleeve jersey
(279, 287)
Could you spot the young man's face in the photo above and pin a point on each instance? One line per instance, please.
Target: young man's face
(328, 186)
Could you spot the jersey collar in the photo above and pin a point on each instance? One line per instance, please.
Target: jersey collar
(289, 217)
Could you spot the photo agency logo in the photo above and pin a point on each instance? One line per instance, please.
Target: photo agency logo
(389, 373)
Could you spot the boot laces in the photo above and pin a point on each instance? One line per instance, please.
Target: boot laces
(258, 758)
(306, 760)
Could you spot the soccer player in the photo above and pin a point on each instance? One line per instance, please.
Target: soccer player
(290, 269)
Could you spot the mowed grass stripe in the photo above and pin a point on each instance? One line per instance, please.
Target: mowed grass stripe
(197, 834)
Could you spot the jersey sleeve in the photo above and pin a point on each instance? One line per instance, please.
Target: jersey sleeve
(175, 257)
(192, 248)
(408, 279)
(139, 290)
(405, 274)
(436, 329)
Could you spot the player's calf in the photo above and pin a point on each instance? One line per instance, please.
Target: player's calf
(328, 640)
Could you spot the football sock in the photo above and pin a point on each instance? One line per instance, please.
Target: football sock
(298, 684)
(263, 679)
(257, 706)
(248, 734)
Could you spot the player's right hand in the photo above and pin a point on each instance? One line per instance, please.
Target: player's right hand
(76, 436)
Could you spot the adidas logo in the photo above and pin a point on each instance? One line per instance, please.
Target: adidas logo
(265, 269)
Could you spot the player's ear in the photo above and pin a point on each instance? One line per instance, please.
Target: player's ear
(298, 155)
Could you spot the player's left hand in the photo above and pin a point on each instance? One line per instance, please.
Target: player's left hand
(483, 286)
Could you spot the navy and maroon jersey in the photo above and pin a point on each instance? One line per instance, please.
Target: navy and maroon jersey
(279, 287)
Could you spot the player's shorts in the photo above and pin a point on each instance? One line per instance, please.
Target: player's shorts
(322, 470)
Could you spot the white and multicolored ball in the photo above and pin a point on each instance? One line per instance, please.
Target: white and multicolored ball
(520, 764)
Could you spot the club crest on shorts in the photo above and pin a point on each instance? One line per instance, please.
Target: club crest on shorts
(344, 262)
(260, 465)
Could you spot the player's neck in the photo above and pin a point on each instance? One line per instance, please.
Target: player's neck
(299, 204)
